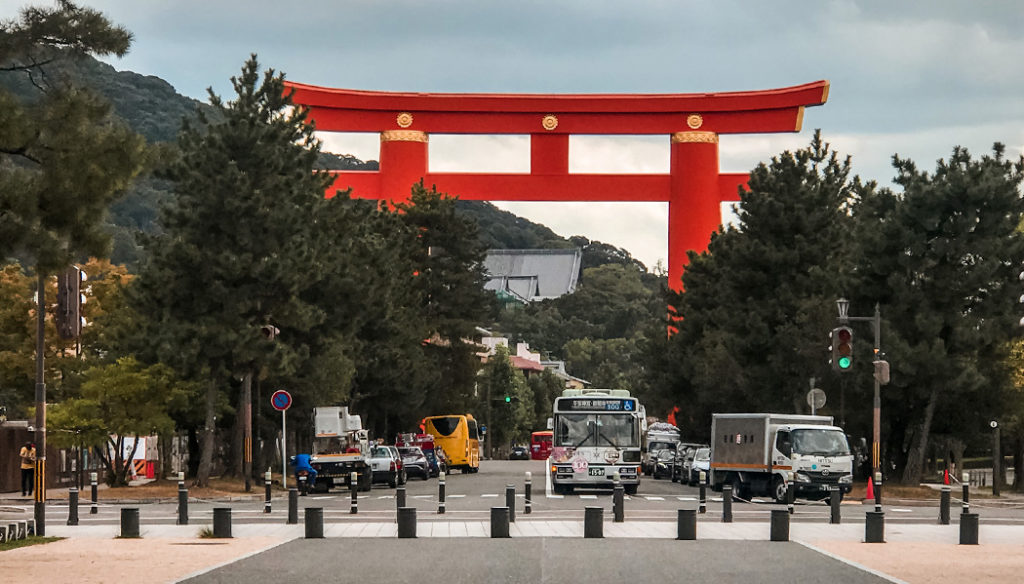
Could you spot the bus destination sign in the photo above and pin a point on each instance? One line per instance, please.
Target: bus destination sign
(600, 404)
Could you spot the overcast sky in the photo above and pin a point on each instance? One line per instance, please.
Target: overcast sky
(910, 77)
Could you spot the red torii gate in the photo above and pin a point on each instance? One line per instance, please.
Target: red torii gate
(694, 188)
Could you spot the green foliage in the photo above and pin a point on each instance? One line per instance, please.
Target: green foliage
(943, 258)
(123, 399)
(758, 304)
(513, 421)
(63, 159)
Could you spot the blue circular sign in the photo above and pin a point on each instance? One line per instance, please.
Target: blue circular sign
(281, 400)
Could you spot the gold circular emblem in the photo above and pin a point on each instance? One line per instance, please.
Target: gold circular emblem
(404, 120)
(549, 122)
(694, 121)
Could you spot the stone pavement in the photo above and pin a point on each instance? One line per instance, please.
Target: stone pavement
(170, 553)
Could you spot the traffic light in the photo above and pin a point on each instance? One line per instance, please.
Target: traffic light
(508, 399)
(842, 349)
(69, 303)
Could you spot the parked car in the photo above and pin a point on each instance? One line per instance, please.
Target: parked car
(519, 453)
(662, 460)
(684, 457)
(387, 466)
(414, 461)
(701, 462)
(437, 460)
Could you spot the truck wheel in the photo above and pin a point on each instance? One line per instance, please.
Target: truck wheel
(365, 482)
(737, 488)
(630, 489)
(779, 490)
(393, 481)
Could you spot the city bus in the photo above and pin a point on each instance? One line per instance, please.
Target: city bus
(459, 436)
(540, 445)
(597, 434)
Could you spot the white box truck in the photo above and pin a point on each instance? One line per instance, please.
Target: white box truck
(760, 454)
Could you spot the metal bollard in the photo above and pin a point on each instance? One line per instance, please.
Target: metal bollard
(73, 506)
(130, 522)
(703, 508)
(222, 522)
(727, 504)
(353, 486)
(878, 492)
(780, 525)
(528, 488)
(266, 483)
(944, 500)
(969, 529)
(407, 522)
(835, 498)
(499, 522)
(618, 503)
(687, 524)
(510, 502)
(874, 527)
(182, 500)
(967, 494)
(593, 522)
(293, 506)
(791, 492)
(399, 497)
(440, 493)
(314, 521)
(92, 480)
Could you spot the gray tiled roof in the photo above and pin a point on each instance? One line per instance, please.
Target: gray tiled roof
(533, 274)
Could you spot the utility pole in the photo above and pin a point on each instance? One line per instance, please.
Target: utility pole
(40, 471)
(876, 323)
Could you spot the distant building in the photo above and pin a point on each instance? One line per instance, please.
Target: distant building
(528, 275)
(526, 360)
(558, 368)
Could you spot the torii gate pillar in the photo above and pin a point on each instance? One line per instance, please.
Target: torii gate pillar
(694, 189)
(693, 205)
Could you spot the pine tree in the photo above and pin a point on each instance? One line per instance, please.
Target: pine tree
(240, 244)
(758, 304)
(943, 259)
(63, 159)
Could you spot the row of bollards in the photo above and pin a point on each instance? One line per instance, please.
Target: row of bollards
(501, 517)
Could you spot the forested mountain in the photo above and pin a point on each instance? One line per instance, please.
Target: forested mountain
(151, 107)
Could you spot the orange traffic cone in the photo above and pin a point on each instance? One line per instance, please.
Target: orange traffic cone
(871, 489)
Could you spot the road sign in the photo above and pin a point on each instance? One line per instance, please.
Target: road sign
(281, 400)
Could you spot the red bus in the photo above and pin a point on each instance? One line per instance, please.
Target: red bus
(540, 445)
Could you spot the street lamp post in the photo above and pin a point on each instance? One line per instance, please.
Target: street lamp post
(843, 305)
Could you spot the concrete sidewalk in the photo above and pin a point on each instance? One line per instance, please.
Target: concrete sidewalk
(168, 553)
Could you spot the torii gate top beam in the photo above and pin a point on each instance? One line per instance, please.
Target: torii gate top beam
(741, 112)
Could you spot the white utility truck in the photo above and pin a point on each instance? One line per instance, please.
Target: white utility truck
(759, 454)
(340, 447)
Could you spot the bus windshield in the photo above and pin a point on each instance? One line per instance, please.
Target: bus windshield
(615, 430)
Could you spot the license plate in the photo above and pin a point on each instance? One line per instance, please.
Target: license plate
(596, 472)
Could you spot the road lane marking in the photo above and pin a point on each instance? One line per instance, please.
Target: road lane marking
(653, 498)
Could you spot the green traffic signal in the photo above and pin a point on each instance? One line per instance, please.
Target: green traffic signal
(508, 399)
(842, 349)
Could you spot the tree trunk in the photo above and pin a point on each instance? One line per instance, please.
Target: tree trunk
(209, 428)
(915, 457)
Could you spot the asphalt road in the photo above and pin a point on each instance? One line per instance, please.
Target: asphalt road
(470, 497)
(535, 560)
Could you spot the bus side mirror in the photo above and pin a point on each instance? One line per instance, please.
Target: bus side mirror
(551, 423)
